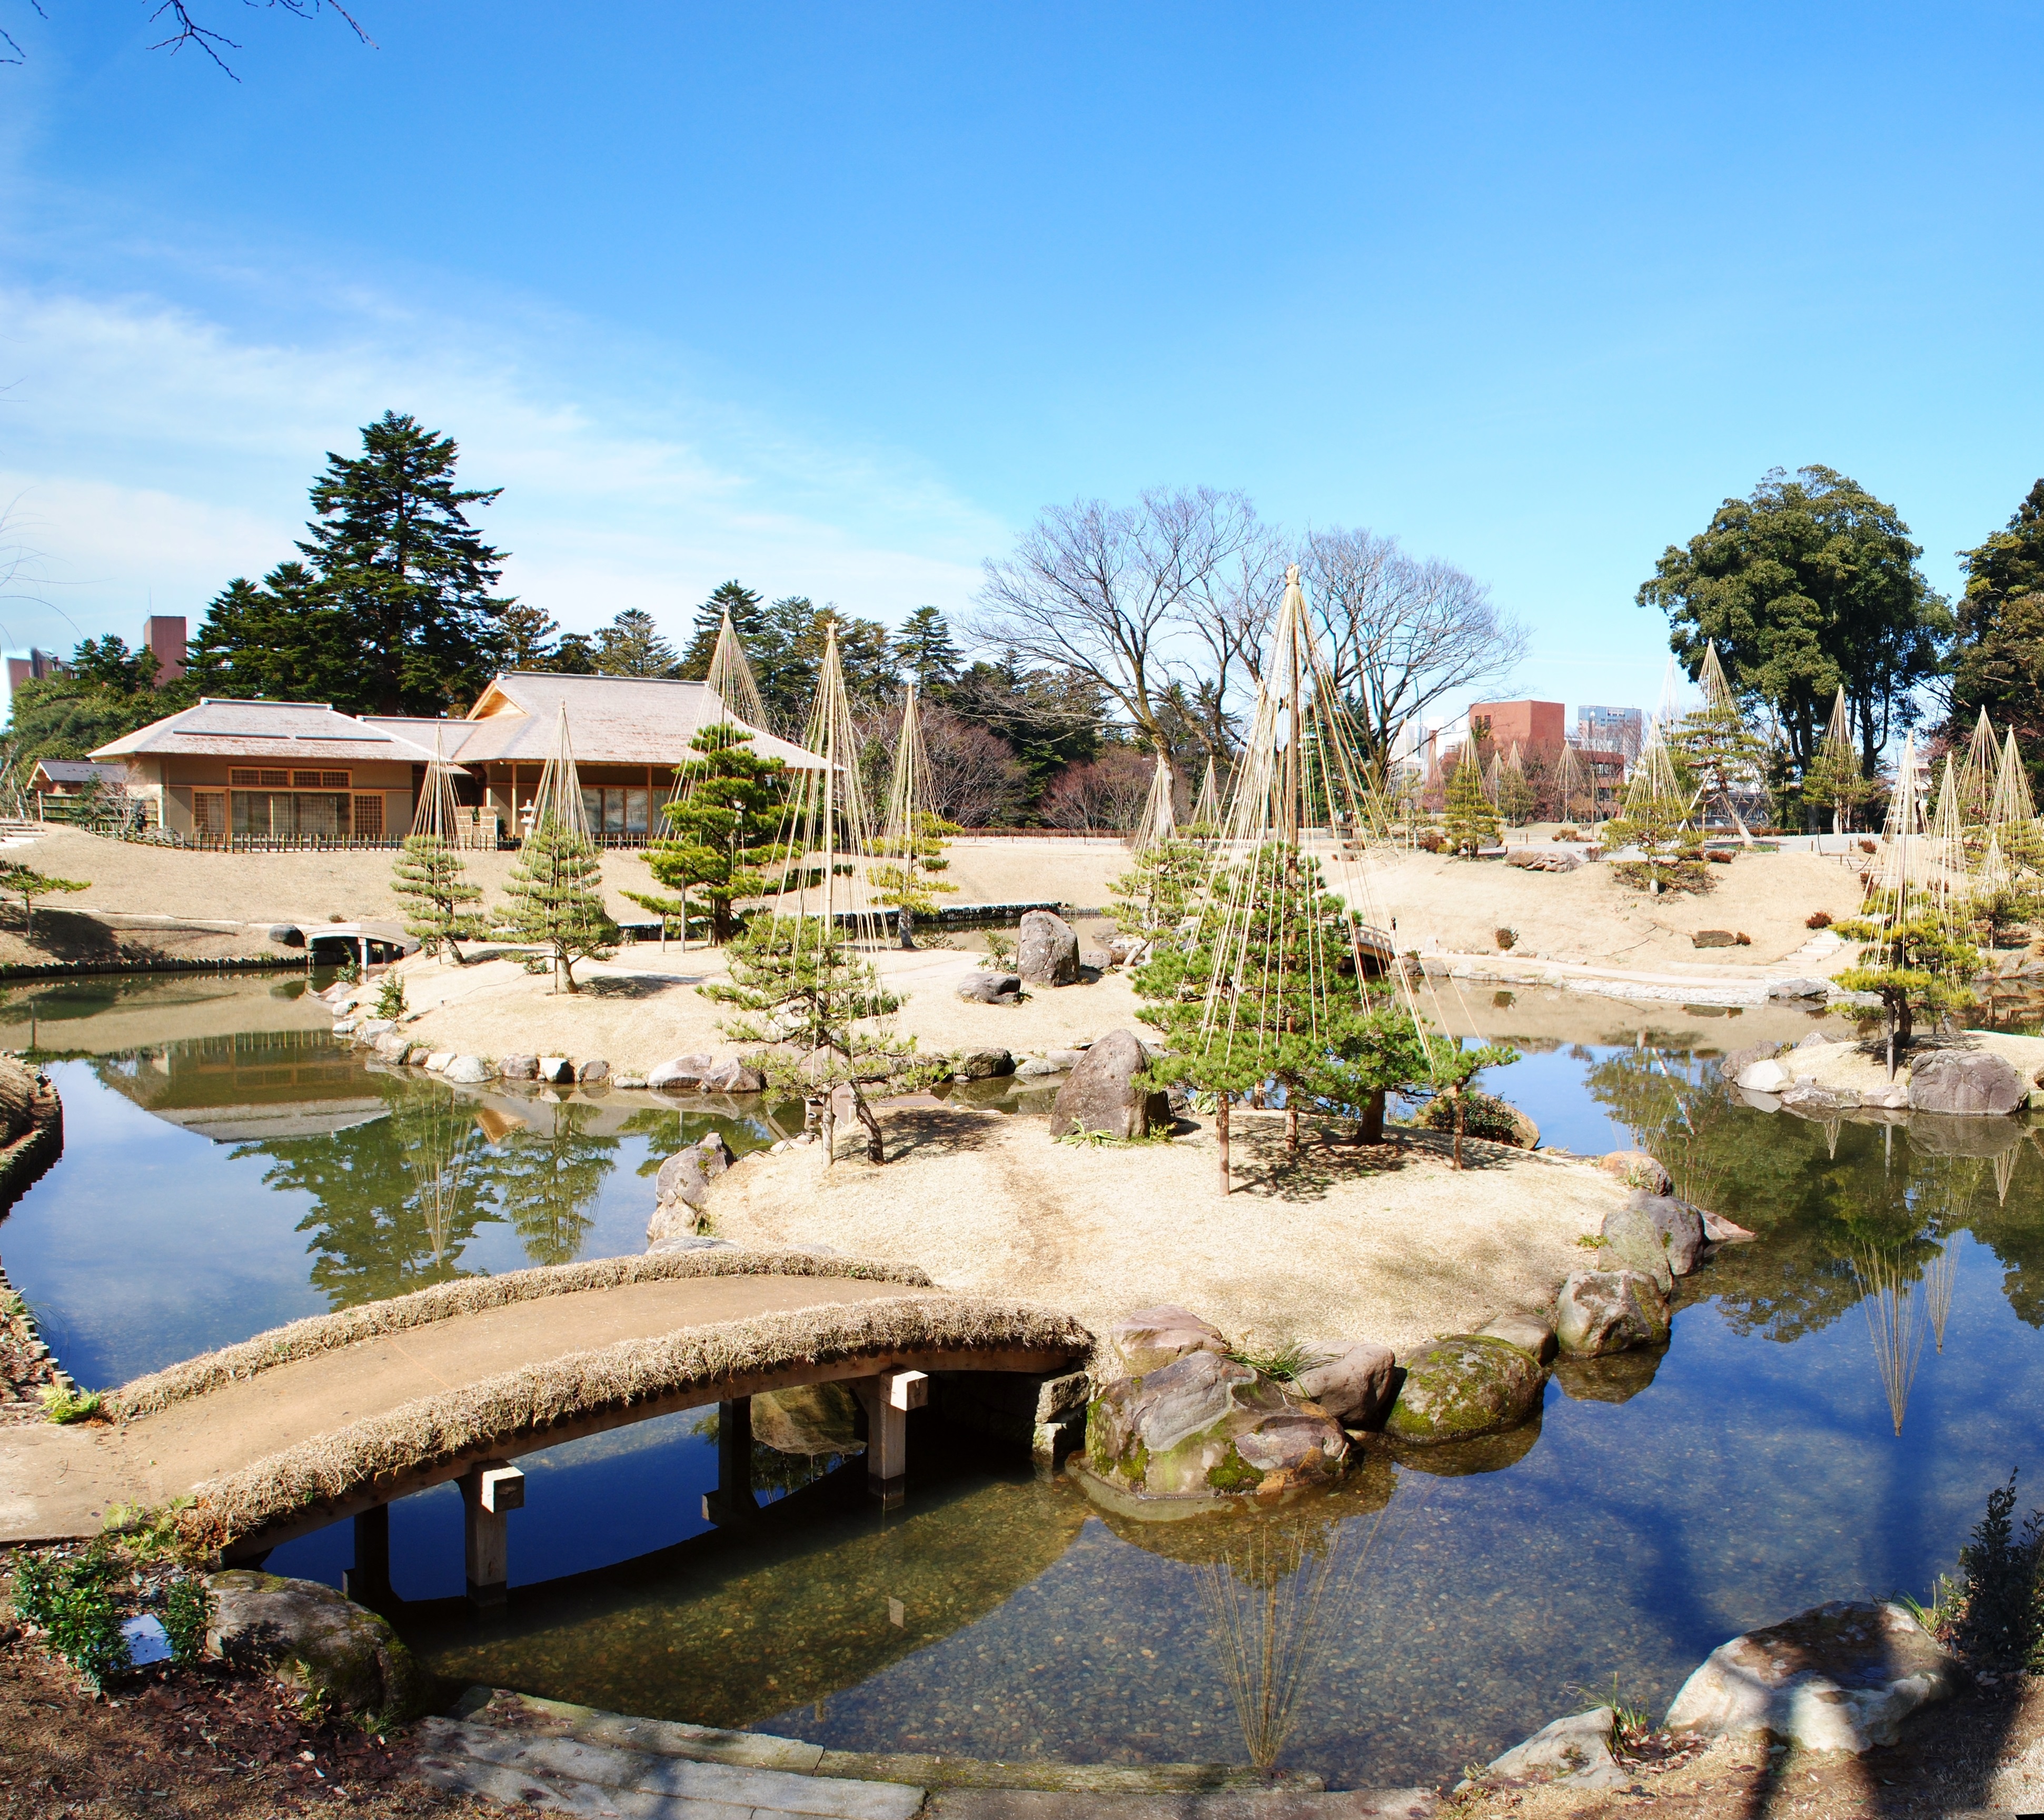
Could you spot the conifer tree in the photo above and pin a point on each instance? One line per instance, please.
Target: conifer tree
(1727, 758)
(1469, 822)
(803, 992)
(724, 823)
(430, 873)
(1912, 961)
(556, 894)
(905, 886)
(1160, 889)
(1656, 820)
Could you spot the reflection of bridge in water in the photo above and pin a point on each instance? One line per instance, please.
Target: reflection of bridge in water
(335, 1417)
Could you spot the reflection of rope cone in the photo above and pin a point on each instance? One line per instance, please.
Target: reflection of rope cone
(1939, 1277)
(439, 1161)
(1894, 1322)
(2004, 1171)
(1265, 1598)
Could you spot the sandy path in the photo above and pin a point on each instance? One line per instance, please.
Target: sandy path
(61, 1481)
(1349, 1246)
(643, 1007)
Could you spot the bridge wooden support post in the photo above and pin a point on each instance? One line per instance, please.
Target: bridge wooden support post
(887, 1398)
(733, 1501)
(368, 1582)
(489, 1493)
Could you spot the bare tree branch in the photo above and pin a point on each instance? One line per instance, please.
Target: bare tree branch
(1101, 590)
(1228, 611)
(1402, 632)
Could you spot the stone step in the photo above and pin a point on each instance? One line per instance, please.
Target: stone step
(1238, 1804)
(566, 1775)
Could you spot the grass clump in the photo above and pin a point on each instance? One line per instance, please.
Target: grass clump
(66, 1406)
(1284, 1363)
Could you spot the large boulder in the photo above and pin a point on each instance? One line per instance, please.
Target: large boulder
(1467, 1384)
(1607, 1311)
(1355, 1386)
(557, 1069)
(309, 1637)
(595, 1069)
(680, 1073)
(1632, 1239)
(1680, 1226)
(519, 1067)
(1206, 1427)
(1101, 1093)
(1735, 1063)
(1969, 1081)
(466, 1070)
(687, 1175)
(1148, 1339)
(1842, 1676)
(1574, 1751)
(984, 1063)
(1527, 1332)
(1636, 1170)
(1763, 1077)
(1048, 951)
(983, 988)
(733, 1077)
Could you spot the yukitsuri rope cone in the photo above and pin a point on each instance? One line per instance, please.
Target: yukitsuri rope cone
(1158, 822)
(827, 826)
(558, 802)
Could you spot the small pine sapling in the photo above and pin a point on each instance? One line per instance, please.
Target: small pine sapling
(430, 874)
(556, 894)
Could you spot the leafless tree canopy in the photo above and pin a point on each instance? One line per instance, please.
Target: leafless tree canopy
(1099, 795)
(1103, 591)
(975, 779)
(1401, 631)
(176, 17)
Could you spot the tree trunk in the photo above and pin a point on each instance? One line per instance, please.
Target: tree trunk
(1291, 1126)
(827, 1124)
(875, 1151)
(905, 924)
(1220, 1132)
(1369, 1129)
(1458, 1127)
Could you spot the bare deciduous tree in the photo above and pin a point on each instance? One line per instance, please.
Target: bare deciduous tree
(1099, 795)
(1227, 610)
(1401, 631)
(1102, 590)
(975, 779)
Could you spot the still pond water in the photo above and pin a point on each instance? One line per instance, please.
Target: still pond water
(226, 1167)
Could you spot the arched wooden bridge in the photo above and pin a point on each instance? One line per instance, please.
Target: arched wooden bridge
(335, 1416)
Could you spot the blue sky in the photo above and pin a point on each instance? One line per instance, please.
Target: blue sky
(833, 299)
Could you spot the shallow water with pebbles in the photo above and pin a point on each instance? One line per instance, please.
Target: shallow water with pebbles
(1836, 1401)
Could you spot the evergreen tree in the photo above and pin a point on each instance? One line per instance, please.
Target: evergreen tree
(556, 894)
(1160, 890)
(1469, 822)
(27, 883)
(723, 827)
(743, 604)
(1656, 820)
(1298, 1021)
(575, 655)
(925, 650)
(280, 640)
(1913, 962)
(1727, 758)
(631, 645)
(430, 873)
(1452, 1068)
(803, 992)
(397, 557)
(525, 639)
(904, 885)
(1998, 656)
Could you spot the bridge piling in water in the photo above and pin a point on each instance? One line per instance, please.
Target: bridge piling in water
(490, 1492)
(368, 1582)
(733, 1501)
(887, 1398)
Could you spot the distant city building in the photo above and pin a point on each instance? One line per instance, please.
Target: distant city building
(1527, 725)
(1611, 729)
(36, 667)
(164, 634)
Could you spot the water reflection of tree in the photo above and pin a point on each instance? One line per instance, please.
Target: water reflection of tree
(382, 1221)
(545, 1180)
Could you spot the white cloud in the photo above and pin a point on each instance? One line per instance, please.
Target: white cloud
(153, 453)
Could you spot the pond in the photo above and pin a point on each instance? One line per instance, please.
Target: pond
(1837, 1400)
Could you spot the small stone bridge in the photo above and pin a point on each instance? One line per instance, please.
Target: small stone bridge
(335, 1416)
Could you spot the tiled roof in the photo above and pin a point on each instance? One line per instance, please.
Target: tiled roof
(303, 732)
(78, 770)
(612, 720)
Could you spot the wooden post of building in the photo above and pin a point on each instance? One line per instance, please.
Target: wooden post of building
(887, 1398)
(368, 1582)
(488, 1494)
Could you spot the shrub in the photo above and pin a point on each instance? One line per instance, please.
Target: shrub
(1818, 920)
(391, 997)
(1432, 841)
(1507, 938)
(1568, 831)
(1998, 1616)
(999, 950)
(1870, 846)
(61, 1405)
(187, 1611)
(1484, 1116)
(72, 1601)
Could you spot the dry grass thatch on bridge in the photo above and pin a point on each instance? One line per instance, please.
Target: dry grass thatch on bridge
(439, 1432)
(328, 1333)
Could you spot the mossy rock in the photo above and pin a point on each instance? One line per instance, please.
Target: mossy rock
(1464, 1386)
(334, 1653)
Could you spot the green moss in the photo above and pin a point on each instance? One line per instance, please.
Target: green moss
(1233, 1473)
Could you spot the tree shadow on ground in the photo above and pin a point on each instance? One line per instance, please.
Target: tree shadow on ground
(627, 985)
(936, 1131)
(1325, 1160)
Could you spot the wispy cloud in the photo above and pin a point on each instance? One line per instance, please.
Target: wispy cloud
(151, 452)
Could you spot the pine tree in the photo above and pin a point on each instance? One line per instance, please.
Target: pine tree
(1154, 897)
(732, 598)
(397, 557)
(1656, 820)
(631, 645)
(803, 992)
(1470, 822)
(1727, 758)
(904, 885)
(556, 894)
(525, 638)
(27, 883)
(925, 649)
(430, 873)
(1914, 963)
(723, 827)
